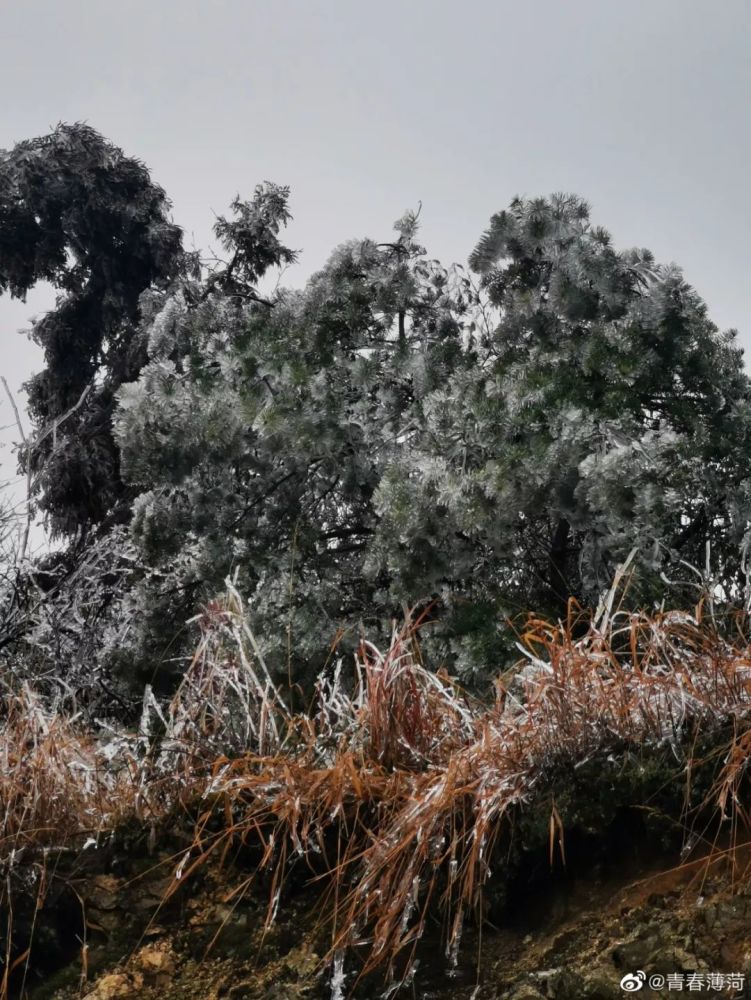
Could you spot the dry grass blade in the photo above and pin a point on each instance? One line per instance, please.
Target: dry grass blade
(398, 790)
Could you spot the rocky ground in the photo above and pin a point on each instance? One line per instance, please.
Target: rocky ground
(575, 937)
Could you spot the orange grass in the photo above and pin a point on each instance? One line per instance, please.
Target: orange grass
(396, 791)
(57, 783)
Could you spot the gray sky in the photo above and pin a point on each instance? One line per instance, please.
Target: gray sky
(367, 108)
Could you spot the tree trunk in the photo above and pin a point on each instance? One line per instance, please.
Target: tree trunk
(560, 588)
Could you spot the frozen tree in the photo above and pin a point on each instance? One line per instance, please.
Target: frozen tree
(79, 214)
(392, 435)
(396, 432)
(259, 429)
(605, 410)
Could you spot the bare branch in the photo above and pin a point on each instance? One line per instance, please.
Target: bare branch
(27, 520)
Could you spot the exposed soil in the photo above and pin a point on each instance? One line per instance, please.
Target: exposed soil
(574, 936)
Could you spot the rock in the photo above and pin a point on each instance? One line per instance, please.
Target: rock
(104, 893)
(558, 983)
(109, 987)
(301, 963)
(603, 983)
(157, 963)
(638, 951)
(524, 992)
(686, 961)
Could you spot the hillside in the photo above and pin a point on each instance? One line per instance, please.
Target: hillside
(588, 823)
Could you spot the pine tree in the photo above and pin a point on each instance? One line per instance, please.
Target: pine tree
(606, 411)
(258, 433)
(79, 214)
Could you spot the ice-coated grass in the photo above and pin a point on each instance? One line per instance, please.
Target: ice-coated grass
(395, 789)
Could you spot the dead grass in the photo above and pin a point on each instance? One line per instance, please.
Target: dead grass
(395, 793)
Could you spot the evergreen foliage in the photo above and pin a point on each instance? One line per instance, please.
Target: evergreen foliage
(395, 432)
(604, 410)
(259, 430)
(79, 214)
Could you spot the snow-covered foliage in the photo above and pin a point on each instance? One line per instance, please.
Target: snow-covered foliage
(258, 435)
(78, 213)
(392, 433)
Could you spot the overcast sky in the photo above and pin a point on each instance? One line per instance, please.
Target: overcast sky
(365, 109)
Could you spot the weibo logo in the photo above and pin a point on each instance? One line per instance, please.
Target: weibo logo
(632, 982)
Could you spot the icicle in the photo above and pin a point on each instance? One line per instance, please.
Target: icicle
(181, 866)
(338, 977)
